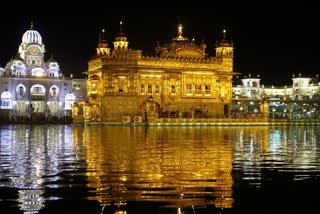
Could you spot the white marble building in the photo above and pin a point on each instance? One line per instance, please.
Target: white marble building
(299, 100)
(34, 89)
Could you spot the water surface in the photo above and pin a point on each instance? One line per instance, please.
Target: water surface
(108, 169)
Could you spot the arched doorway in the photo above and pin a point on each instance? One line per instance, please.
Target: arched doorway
(150, 109)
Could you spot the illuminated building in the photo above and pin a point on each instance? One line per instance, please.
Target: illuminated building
(32, 89)
(180, 80)
(298, 101)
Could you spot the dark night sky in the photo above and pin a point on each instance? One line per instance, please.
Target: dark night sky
(274, 43)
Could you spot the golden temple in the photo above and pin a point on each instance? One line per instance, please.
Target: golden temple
(181, 80)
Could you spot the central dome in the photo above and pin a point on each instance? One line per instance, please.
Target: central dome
(32, 37)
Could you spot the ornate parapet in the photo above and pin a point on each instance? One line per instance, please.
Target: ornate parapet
(180, 62)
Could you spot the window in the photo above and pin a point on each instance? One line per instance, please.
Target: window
(157, 89)
(198, 89)
(189, 89)
(37, 90)
(208, 89)
(149, 89)
(53, 91)
(21, 91)
(173, 89)
(6, 100)
(69, 100)
(142, 90)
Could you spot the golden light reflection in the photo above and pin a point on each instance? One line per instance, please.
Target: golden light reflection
(182, 167)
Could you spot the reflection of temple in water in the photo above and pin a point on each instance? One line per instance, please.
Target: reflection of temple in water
(178, 167)
(34, 160)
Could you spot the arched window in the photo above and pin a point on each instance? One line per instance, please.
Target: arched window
(21, 90)
(54, 91)
(39, 72)
(37, 90)
(6, 100)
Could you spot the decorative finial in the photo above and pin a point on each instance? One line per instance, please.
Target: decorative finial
(102, 33)
(180, 28)
(224, 33)
(120, 26)
(31, 25)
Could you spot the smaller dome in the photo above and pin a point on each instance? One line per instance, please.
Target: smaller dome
(2, 71)
(18, 61)
(9, 64)
(182, 47)
(18, 65)
(32, 37)
(18, 58)
(51, 60)
(121, 37)
(6, 95)
(52, 64)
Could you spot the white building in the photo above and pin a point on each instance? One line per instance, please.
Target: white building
(34, 89)
(300, 100)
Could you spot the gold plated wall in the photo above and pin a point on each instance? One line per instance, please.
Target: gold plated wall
(180, 81)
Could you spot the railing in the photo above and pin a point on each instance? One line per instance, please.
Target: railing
(132, 118)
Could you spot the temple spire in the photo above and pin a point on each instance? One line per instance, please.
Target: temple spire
(102, 49)
(31, 25)
(121, 42)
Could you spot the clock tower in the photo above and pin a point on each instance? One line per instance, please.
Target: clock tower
(32, 49)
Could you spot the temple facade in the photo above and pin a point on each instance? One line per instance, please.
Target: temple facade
(33, 89)
(181, 80)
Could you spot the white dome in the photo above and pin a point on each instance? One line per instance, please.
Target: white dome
(32, 37)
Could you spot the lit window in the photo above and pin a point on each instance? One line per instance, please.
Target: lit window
(157, 89)
(37, 90)
(142, 89)
(198, 89)
(53, 91)
(208, 89)
(21, 90)
(173, 89)
(189, 89)
(149, 89)
(6, 100)
(69, 100)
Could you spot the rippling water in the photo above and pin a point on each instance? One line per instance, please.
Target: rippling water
(109, 169)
